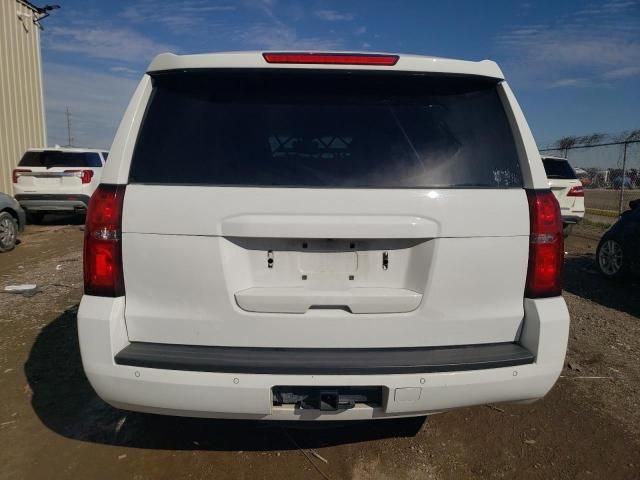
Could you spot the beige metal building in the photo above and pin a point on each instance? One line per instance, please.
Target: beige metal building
(22, 122)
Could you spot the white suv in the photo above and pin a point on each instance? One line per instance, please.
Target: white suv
(322, 236)
(57, 179)
(565, 185)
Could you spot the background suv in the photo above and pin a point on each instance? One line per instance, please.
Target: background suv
(57, 180)
(367, 236)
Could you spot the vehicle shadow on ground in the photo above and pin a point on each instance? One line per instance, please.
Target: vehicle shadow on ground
(52, 219)
(582, 278)
(65, 402)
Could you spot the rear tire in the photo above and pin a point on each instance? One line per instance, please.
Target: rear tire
(8, 232)
(611, 259)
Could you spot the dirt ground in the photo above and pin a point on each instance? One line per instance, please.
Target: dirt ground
(52, 425)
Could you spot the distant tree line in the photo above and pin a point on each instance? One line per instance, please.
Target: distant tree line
(572, 141)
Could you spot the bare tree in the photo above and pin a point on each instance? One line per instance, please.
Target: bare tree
(566, 142)
(628, 136)
(591, 138)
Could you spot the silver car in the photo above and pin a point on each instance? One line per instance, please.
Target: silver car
(12, 221)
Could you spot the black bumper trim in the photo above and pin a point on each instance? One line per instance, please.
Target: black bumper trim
(571, 219)
(323, 361)
(58, 197)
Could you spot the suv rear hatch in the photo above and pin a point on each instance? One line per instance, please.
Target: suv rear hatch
(563, 183)
(55, 171)
(308, 208)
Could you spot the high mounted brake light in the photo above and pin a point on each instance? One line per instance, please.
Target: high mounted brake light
(103, 275)
(332, 58)
(546, 245)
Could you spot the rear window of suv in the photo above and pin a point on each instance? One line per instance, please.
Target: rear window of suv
(55, 158)
(311, 128)
(560, 169)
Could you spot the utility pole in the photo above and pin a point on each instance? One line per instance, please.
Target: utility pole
(69, 137)
(624, 174)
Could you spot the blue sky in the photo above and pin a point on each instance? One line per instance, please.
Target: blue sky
(574, 66)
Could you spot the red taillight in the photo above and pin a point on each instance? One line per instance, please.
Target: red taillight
(84, 175)
(576, 191)
(103, 274)
(546, 245)
(332, 58)
(18, 172)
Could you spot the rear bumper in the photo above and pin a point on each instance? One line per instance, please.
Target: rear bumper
(572, 219)
(52, 202)
(573, 214)
(226, 394)
(323, 361)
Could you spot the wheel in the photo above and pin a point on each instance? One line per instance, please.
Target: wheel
(610, 258)
(8, 232)
(35, 217)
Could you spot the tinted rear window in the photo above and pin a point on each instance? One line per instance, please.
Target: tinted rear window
(558, 169)
(54, 158)
(325, 129)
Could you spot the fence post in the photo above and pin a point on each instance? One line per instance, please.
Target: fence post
(624, 174)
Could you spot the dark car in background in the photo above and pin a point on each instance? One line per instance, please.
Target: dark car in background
(618, 252)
